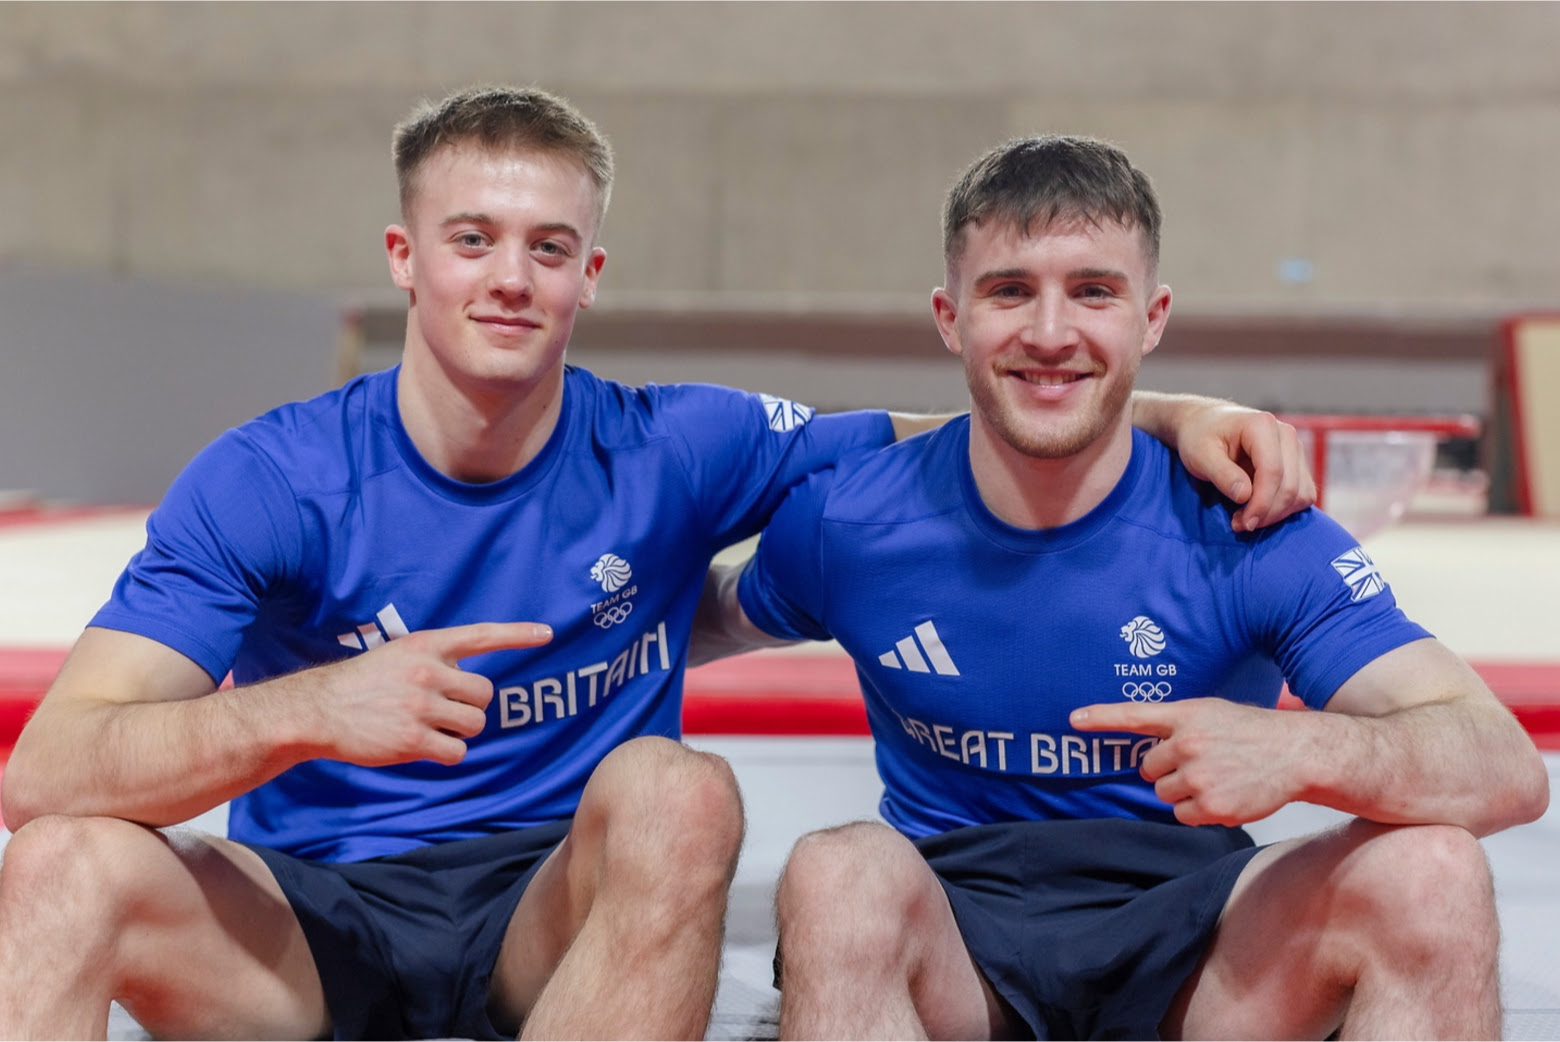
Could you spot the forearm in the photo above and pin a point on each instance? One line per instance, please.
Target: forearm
(1163, 415)
(154, 762)
(720, 626)
(909, 423)
(1463, 761)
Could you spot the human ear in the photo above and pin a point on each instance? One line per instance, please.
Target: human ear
(945, 311)
(398, 249)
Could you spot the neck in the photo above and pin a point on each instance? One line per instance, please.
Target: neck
(476, 434)
(1035, 493)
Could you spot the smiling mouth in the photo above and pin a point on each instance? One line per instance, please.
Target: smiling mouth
(1048, 379)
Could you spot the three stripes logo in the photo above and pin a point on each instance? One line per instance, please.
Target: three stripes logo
(369, 635)
(915, 656)
(784, 415)
(1360, 573)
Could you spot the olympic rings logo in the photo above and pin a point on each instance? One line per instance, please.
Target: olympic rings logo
(1146, 691)
(612, 616)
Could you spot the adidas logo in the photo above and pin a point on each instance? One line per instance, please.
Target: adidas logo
(370, 635)
(1360, 573)
(916, 654)
(784, 415)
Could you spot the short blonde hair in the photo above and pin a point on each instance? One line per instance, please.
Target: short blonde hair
(501, 119)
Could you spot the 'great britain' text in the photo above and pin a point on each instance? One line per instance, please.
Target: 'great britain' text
(1067, 754)
(553, 698)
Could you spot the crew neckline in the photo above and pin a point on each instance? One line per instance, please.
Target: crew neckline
(1046, 540)
(472, 493)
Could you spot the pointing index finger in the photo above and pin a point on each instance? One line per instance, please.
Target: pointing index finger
(458, 642)
(1136, 717)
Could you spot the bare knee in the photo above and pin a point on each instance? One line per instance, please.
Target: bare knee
(85, 864)
(1422, 893)
(673, 811)
(860, 892)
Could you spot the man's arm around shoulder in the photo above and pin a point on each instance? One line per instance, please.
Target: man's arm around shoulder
(720, 627)
(1252, 457)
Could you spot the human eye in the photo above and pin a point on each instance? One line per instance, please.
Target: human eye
(552, 249)
(470, 241)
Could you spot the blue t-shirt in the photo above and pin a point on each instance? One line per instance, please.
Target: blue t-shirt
(974, 640)
(317, 531)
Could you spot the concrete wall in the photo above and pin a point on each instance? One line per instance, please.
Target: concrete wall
(109, 385)
(1389, 166)
(1313, 158)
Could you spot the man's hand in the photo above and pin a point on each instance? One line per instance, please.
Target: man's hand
(1217, 762)
(408, 699)
(1221, 442)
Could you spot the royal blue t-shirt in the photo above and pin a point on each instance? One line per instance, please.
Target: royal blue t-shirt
(974, 640)
(317, 531)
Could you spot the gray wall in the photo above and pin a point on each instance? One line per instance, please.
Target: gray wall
(1399, 157)
(1390, 165)
(108, 386)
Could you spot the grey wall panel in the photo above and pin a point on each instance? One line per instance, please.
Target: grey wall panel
(268, 189)
(61, 191)
(799, 151)
(1446, 208)
(108, 386)
(842, 196)
(663, 232)
(1123, 50)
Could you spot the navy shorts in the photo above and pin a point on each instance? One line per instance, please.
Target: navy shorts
(405, 945)
(1088, 928)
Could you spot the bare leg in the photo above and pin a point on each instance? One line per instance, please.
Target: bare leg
(190, 932)
(1376, 931)
(619, 934)
(870, 947)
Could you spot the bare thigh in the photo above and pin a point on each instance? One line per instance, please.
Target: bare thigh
(648, 860)
(1307, 917)
(869, 939)
(242, 963)
(190, 932)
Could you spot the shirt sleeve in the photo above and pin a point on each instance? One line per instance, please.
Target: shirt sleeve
(743, 452)
(781, 589)
(1321, 605)
(227, 531)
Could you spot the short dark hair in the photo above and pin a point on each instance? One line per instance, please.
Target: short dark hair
(500, 118)
(1039, 180)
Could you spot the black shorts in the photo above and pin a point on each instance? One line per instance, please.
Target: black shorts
(1088, 928)
(405, 945)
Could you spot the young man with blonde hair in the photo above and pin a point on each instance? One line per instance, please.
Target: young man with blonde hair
(443, 821)
(1071, 665)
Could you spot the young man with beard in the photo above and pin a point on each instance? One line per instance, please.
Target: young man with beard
(444, 821)
(1071, 665)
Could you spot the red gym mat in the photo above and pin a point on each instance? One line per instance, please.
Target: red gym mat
(794, 694)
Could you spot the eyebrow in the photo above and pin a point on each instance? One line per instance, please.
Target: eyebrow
(1099, 273)
(1002, 273)
(1077, 273)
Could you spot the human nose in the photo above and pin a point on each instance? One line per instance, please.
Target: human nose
(1051, 329)
(510, 277)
